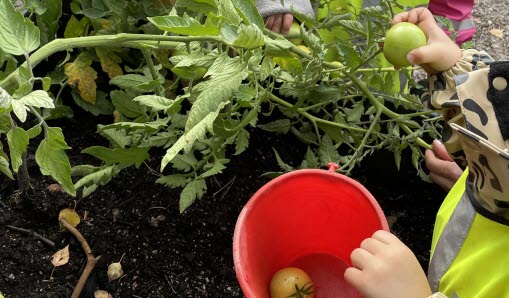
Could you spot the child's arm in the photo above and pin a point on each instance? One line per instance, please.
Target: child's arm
(278, 17)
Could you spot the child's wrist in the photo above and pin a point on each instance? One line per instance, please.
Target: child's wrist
(437, 295)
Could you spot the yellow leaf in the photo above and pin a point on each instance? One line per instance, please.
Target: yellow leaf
(497, 33)
(102, 294)
(109, 62)
(81, 75)
(70, 216)
(61, 257)
(115, 271)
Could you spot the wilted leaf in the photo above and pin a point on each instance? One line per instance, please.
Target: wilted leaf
(102, 294)
(115, 271)
(109, 62)
(61, 257)
(497, 33)
(70, 216)
(80, 74)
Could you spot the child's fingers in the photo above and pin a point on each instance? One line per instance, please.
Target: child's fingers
(361, 258)
(373, 245)
(402, 17)
(287, 22)
(354, 277)
(269, 22)
(278, 23)
(385, 237)
(441, 151)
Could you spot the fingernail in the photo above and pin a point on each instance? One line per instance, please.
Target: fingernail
(438, 141)
(410, 58)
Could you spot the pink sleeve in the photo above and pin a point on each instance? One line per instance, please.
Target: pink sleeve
(456, 10)
(459, 12)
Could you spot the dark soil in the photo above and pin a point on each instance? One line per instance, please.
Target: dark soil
(185, 255)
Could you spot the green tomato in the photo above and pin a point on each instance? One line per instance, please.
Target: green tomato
(400, 40)
(336, 74)
(295, 29)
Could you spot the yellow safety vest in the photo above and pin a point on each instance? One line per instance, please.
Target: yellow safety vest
(469, 253)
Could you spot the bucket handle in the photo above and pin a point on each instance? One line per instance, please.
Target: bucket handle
(332, 166)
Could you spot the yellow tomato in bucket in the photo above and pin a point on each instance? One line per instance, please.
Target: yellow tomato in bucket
(291, 282)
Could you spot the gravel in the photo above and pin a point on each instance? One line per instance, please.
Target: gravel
(488, 15)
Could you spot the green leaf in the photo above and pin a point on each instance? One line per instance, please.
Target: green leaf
(38, 98)
(217, 168)
(226, 76)
(118, 138)
(185, 25)
(355, 114)
(397, 158)
(94, 177)
(5, 99)
(193, 190)
(266, 68)
(18, 35)
(4, 164)
(173, 181)
(23, 90)
(285, 167)
(227, 10)
(249, 37)
(48, 21)
(311, 160)
(186, 141)
(156, 103)
(124, 103)
(52, 160)
(75, 28)
(200, 6)
(280, 126)
(249, 13)
(241, 142)
(34, 131)
(102, 105)
(17, 138)
(19, 110)
(60, 111)
(132, 82)
(46, 83)
(327, 152)
(185, 162)
(134, 155)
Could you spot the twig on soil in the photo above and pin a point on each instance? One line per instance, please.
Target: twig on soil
(156, 207)
(171, 286)
(91, 260)
(34, 234)
(227, 186)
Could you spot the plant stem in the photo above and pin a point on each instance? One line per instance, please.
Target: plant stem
(315, 119)
(150, 63)
(118, 40)
(383, 108)
(91, 260)
(362, 144)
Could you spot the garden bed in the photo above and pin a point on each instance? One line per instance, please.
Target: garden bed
(187, 255)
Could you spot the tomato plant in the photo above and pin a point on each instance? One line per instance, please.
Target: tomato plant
(291, 282)
(195, 80)
(400, 40)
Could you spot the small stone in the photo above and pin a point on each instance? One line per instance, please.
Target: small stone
(11, 276)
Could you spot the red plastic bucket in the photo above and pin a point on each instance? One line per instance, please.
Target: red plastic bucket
(309, 219)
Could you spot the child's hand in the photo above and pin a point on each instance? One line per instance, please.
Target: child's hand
(383, 267)
(441, 53)
(443, 170)
(279, 23)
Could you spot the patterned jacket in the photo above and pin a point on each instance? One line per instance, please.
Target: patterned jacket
(475, 98)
